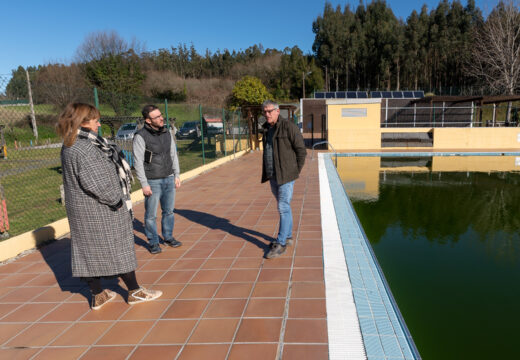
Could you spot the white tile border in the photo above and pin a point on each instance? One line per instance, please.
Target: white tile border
(345, 340)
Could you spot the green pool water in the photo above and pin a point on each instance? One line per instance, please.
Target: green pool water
(449, 246)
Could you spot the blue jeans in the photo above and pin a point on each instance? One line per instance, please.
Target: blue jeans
(163, 192)
(283, 194)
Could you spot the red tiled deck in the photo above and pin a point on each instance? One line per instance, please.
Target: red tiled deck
(221, 299)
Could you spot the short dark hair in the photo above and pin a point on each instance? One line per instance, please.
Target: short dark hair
(147, 109)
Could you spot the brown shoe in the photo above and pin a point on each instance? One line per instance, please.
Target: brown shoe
(275, 251)
(142, 295)
(102, 298)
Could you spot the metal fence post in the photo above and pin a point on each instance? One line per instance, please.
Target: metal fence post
(202, 135)
(224, 132)
(96, 103)
(166, 113)
(239, 132)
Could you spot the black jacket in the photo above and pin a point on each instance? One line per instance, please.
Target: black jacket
(288, 151)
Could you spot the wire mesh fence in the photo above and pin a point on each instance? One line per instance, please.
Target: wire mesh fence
(30, 166)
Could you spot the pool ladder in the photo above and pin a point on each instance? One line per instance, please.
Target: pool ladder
(329, 144)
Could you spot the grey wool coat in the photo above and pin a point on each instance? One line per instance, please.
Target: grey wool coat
(102, 238)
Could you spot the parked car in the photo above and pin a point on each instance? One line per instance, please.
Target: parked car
(126, 131)
(189, 130)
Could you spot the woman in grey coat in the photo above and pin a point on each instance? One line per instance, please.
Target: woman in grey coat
(96, 179)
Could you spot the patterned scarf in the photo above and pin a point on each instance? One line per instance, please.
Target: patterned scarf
(118, 158)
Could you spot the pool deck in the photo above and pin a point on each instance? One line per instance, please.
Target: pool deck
(221, 299)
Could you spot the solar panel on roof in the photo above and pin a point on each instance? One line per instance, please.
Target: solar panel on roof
(319, 95)
(386, 94)
(418, 94)
(362, 94)
(408, 94)
(397, 94)
(375, 94)
(330, 95)
(341, 94)
(351, 95)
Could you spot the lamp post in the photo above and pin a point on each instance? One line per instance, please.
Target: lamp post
(304, 74)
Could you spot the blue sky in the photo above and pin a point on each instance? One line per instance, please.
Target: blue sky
(37, 32)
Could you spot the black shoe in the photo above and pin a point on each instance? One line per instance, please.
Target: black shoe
(155, 249)
(275, 251)
(173, 243)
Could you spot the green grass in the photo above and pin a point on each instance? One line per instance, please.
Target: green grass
(32, 183)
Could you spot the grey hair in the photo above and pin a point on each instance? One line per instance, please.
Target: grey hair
(270, 102)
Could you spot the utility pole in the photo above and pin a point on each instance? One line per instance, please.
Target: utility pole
(33, 117)
(303, 82)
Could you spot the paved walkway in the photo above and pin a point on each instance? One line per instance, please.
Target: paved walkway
(221, 299)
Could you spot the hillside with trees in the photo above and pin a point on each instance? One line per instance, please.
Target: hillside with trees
(450, 49)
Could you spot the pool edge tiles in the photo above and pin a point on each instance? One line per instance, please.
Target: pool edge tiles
(383, 330)
(345, 340)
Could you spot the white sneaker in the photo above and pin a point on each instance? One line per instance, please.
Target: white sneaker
(141, 295)
(102, 298)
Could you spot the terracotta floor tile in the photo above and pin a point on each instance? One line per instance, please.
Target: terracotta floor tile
(148, 277)
(225, 308)
(170, 291)
(60, 353)
(29, 312)
(38, 334)
(157, 264)
(199, 352)
(176, 276)
(307, 308)
(306, 331)
(17, 279)
(253, 252)
(274, 275)
(15, 266)
(209, 276)
(305, 352)
(23, 294)
(241, 275)
(158, 352)
(7, 331)
(265, 308)
(201, 254)
(259, 330)
(125, 333)
(308, 290)
(234, 290)
(170, 332)
(54, 294)
(307, 275)
(309, 251)
(67, 312)
(270, 289)
(185, 309)
(308, 262)
(149, 311)
(82, 333)
(17, 354)
(110, 311)
(198, 291)
(214, 331)
(7, 308)
(225, 253)
(309, 235)
(220, 263)
(108, 352)
(248, 263)
(46, 279)
(188, 264)
(253, 352)
(279, 263)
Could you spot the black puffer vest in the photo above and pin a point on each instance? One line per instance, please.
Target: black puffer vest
(159, 142)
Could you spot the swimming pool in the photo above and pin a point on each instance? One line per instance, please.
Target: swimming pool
(445, 232)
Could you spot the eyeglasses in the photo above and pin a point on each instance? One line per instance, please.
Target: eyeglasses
(269, 111)
(156, 117)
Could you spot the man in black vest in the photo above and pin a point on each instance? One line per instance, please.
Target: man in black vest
(157, 167)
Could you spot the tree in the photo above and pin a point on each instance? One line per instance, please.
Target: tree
(496, 55)
(17, 86)
(113, 65)
(59, 85)
(248, 91)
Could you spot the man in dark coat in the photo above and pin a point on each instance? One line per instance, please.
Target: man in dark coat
(157, 168)
(283, 159)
